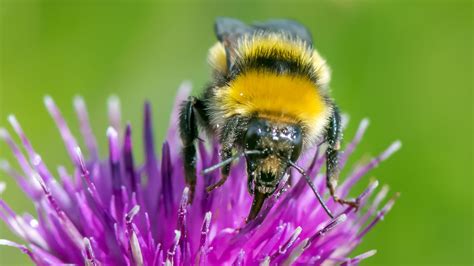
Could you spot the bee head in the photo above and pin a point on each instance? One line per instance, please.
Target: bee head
(278, 143)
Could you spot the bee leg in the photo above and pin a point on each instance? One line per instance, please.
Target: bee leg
(189, 133)
(225, 170)
(290, 179)
(334, 137)
(228, 138)
(250, 185)
(257, 204)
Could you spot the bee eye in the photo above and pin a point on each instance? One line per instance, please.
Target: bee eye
(255, 131)
(296, 140)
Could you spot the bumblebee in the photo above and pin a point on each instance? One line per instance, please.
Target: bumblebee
(268, 102)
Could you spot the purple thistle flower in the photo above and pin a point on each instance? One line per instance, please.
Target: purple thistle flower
(116, 212)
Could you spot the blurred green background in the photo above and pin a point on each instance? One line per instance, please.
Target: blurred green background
(405, 65)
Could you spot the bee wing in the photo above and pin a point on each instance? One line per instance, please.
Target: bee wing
(230, 29)
(291, 27)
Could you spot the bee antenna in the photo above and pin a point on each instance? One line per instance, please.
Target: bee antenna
(228, 161)
(248, 152)
(312, 186)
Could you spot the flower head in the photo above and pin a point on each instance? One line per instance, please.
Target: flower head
(118, 212)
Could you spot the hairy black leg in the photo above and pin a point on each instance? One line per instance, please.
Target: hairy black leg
(189, 133)
(225, 170)
(230, 132)
(290, 178)
(250, 185)
(333, 137)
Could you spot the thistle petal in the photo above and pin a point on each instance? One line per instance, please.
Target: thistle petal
(116, 211)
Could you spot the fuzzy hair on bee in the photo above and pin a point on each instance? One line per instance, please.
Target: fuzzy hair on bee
(292, 87)
(268, 101)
